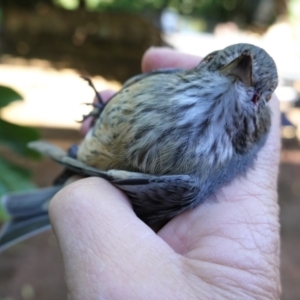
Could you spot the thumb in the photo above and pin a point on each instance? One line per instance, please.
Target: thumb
(102, 240)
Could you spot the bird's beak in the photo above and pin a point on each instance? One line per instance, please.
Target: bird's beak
(241, 68)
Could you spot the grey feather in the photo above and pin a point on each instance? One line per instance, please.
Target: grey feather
(29, 215)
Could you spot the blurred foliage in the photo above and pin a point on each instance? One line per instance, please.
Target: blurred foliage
(240, 11)
(121, 5)
(15, 137)
(7, 95)
(213, 11)
(294, 10)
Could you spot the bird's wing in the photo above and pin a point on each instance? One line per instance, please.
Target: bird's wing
(61, 156)
(154, 198)
(157, 199)
(48, 149)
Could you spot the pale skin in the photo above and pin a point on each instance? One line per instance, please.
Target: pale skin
(226, 248)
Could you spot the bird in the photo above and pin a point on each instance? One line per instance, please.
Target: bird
(169, 139)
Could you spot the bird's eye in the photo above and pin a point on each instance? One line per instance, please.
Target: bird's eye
(268, 97)
(255, 98)
(209, 58)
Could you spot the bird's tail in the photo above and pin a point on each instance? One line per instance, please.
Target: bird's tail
(28, 212)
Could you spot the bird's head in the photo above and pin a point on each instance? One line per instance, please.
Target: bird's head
(248, 65)
(241, 79)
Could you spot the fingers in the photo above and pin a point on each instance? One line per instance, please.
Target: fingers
(271, 152)
(159, 58)
(102, 240)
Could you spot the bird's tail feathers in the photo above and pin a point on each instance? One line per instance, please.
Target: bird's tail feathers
(28, 212)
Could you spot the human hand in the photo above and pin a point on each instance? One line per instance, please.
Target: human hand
(226, 248)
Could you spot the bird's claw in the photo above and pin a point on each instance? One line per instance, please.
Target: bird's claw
(99, 98)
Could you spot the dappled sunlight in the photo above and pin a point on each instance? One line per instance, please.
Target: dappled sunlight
(52, 98)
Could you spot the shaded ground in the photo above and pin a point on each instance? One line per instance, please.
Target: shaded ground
(33, 270)
(289, 200)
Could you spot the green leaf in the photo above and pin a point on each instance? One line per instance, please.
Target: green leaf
(17, 137)
(12, 178)
(8, 95)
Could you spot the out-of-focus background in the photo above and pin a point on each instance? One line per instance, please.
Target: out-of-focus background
(45, 45)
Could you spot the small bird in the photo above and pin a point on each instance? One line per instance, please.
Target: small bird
(171, 138)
